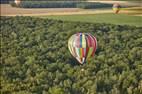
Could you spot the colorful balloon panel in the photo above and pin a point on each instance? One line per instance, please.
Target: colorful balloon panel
(82, 46)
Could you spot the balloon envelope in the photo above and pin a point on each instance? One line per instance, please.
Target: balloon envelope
(17, 2)
(82, 46)
(116, 8)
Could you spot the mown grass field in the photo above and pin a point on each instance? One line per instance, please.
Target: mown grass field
(118, 19)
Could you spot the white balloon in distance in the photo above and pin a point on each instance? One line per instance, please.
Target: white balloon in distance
(17, 2)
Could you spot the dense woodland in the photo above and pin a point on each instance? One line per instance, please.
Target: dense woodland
(7, 1)
(60, 4)
(36, 60)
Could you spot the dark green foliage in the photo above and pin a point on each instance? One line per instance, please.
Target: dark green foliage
(90, 5)
(35, 58)
(61, 4)
(4, 1)
(13, 4)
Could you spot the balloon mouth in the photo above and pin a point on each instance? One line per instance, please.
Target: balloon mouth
(81, 61)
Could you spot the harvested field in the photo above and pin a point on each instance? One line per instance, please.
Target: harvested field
(7, 10)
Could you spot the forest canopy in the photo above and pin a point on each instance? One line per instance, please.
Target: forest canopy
(35, 58)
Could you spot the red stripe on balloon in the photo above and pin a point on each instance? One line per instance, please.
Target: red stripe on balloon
(77, 41)
(87, 50)
(86, 41)
(94, 45)
(90, 40)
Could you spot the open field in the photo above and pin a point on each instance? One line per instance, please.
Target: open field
(126, 16)
(136, 11)
(7, 10)
(121, 19)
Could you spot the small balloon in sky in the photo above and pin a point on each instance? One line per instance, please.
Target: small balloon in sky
(116, 8)
(17, 2)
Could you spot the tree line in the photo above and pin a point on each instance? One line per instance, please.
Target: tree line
(61, 4)
(36, 60)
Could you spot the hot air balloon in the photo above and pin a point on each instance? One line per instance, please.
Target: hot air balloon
(17, 2)
(82, 46)
(116, 8)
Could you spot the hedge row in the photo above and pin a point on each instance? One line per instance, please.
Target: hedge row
(4, 1)
(61, 4)
(91, 5)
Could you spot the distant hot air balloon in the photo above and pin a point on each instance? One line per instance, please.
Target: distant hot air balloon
(116, 8)
(82, 46)
(17, 2)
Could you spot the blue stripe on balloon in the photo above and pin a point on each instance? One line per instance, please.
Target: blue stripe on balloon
(81, 40)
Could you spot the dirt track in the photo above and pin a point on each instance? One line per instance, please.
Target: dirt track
(7, 10)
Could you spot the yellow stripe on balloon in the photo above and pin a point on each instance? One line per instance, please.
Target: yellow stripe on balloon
(115, 8)
(83, 41)
(90, 52)
(81, 54)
